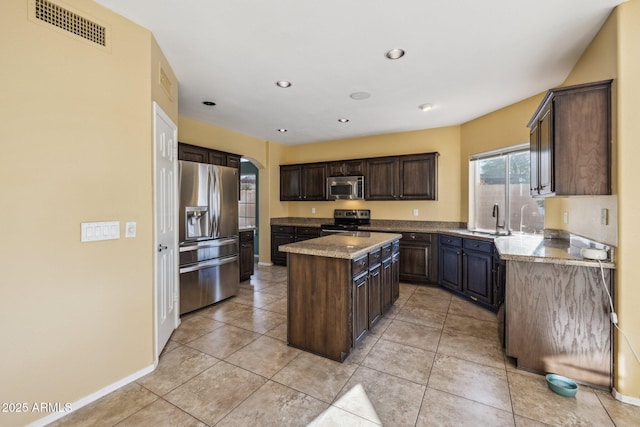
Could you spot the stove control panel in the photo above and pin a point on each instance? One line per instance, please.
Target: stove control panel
(352, 213)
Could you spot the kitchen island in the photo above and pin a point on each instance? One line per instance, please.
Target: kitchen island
(338, 288)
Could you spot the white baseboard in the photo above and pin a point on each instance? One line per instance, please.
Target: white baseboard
(94, 396)
(625, 399)
(267, 264)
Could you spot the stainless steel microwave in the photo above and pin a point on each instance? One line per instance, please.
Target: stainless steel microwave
(345, 187)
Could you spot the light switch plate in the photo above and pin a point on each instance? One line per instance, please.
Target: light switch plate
(130, 229)
(94, 231)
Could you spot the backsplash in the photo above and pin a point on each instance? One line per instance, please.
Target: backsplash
(584, 217)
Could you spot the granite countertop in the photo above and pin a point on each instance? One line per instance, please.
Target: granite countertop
(534, 248)
(516, 247)
(349, 245)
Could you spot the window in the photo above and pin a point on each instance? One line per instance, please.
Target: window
(499, 192)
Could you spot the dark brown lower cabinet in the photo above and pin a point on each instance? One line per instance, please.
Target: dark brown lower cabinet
(246, 254)
(375, 293)
(450, 259)
(283, 234)
(471, 268)
(418, 258)
(395, 275)
(360, 305)
(387, 285)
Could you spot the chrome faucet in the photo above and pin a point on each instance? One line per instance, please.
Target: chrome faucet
(496, 215)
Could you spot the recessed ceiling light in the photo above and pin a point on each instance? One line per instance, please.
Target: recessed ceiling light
(282, 130)
(360, 95)
(209, 103)
(343, 120)
(394, 54)
(283, 83)
(425, 107)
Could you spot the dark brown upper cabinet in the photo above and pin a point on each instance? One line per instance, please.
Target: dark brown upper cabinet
(407, 177)
(303, 182)
(381, 179)
(418, 177)
(411, 177)
(233, 161)
(570, 136)
(346, 168)
(194, 153)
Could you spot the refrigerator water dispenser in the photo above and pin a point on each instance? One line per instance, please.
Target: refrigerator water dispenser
(197, 222)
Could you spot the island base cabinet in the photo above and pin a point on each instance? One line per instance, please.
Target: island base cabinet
(320, 305)
(557, 321)
(333, 302)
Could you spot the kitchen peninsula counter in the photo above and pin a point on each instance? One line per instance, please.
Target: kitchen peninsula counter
(536, 248)
(338, 288)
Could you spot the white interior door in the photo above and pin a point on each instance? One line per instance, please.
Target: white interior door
(166, 226)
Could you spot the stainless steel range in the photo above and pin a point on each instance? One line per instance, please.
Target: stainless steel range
(346, 220)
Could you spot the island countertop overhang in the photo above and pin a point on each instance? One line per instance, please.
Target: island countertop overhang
(347, 245)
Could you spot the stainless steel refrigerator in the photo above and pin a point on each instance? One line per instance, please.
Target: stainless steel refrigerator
(208, 233)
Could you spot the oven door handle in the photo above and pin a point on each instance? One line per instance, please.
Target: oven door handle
(208, 264)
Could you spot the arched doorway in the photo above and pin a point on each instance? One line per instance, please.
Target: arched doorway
(248, 205)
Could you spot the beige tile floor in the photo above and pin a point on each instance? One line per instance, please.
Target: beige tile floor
(434, 360)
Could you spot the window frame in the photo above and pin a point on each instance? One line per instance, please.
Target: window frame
(473, 201)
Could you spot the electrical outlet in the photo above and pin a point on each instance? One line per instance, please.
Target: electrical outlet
(565, 218)
(604, 216)
(130, 229)
(313, 210)
(415, 212)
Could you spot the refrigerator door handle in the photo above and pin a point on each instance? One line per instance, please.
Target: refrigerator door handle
(208, 264)
(214, 201)
(209, 244)
(218, 200)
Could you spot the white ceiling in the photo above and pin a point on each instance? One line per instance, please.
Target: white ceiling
(466, 57)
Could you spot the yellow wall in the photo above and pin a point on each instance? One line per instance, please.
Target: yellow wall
(166, 98)
(77, 147)
(445, 141)
(628, 128)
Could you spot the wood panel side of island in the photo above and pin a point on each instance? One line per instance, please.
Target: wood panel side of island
(320, 305)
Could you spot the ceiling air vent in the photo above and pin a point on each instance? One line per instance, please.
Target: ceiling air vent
(71, 22)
